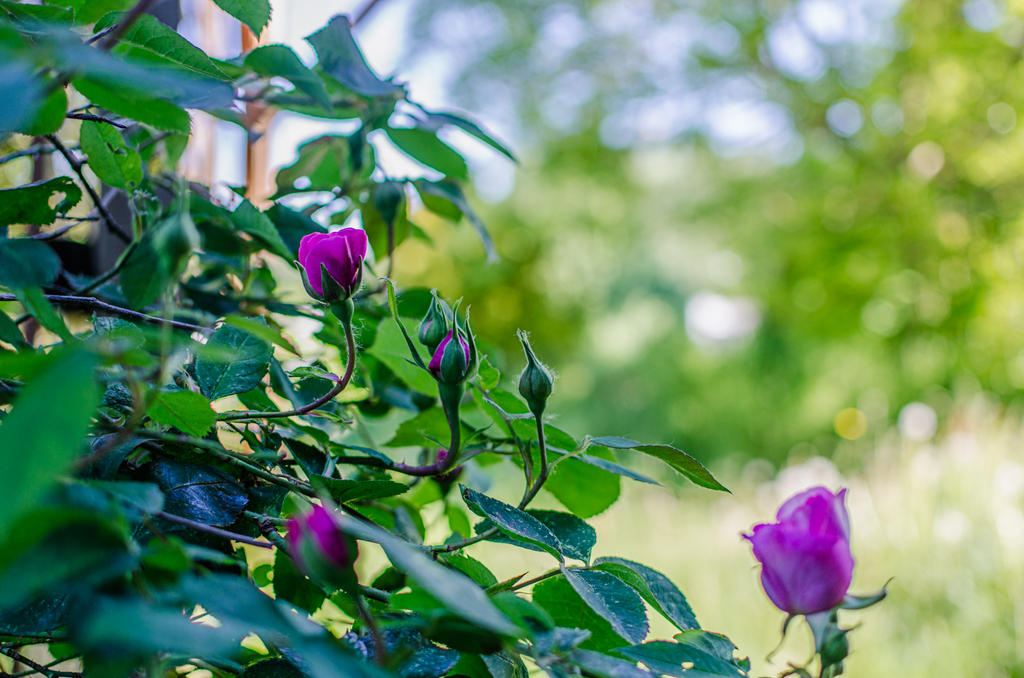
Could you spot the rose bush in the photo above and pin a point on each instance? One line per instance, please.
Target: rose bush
(186, 488)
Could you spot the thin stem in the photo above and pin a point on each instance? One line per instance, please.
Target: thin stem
(364, 11)
(95, 118)
(542, 476)
(76, 166)
(210, 529)
(380, 649)
(99, 305)
(350, 367)
(50, 673)
(538, 578)
(111, 38)
(31, 150)
(293, 484)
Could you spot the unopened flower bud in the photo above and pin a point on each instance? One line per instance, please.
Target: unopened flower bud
(388, 198)
(836, 648)
(434, 326)
(321, 549)
(535, 383)
(450, 363)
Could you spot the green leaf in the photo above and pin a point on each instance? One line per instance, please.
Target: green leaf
(89, 11)
(668, 658)
(30, 204)
(150, 40)
(611, 600)
(261, 329)
(281, 61)
(676, 458)
(40, 308)
(576, 537)
(654, 587)
(583, 489)
(110, 158)
(323, 161)
(293, 586)
(340, 57)
(390, 348)
(565, 606)
(200, 493)
(44, 430)
(512, 521)
(292, 226)
(150, 110)
(23, 93)
(253, 13)
(602, 666)
(50, 115)
(453, 589)
(278, 667)
(447, 199)
(426, 148)
(438, 119)
(345, 491)
(250, 359)
(27, 263)
(186, 411)
(248, 219)
(158, 259)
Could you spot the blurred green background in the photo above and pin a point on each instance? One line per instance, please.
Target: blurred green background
(764, 227)
(787, 237)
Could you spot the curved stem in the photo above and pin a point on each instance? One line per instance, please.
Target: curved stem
(99, 305)
(210, 529)
(76, 166)
(528, 495)
(319, 402)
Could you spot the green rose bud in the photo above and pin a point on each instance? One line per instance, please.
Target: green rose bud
(535, 383)
(388, 198)
(434, 326)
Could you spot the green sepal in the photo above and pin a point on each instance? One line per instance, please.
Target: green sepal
(851, 602)
(393, 305)
(535, 383)
(305, 283)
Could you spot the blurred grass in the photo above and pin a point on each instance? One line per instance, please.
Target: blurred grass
(944, 519)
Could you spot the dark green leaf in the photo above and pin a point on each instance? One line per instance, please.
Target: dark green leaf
(293, 586)
(436, 194)
(344, 491)
(437, 119)
(151, 110)
(112, 160)
(677, 459)
(45, 428)
(453, 589)
(512, 521)
(569, 610)
(576, 537)
(30, 204)
(50, 115)
(340, 57)
(186, 411)
(89, 11)
(38, 306)
(583, 489)
(200, 493)
(281, 61)
(668, 658)
(657, 589)
(611, 600)
(603, 666)
(425, 147)
(23, 93)
(292, 225)
(248, 219)
(150, 40)
(253, 13)
(250, 358)
(27, 263)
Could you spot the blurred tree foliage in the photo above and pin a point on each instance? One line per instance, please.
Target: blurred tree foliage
(841, 177)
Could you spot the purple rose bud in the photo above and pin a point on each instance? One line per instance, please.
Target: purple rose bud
(320, 547)
(332, 263)
(806, 563)
(448, 366)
